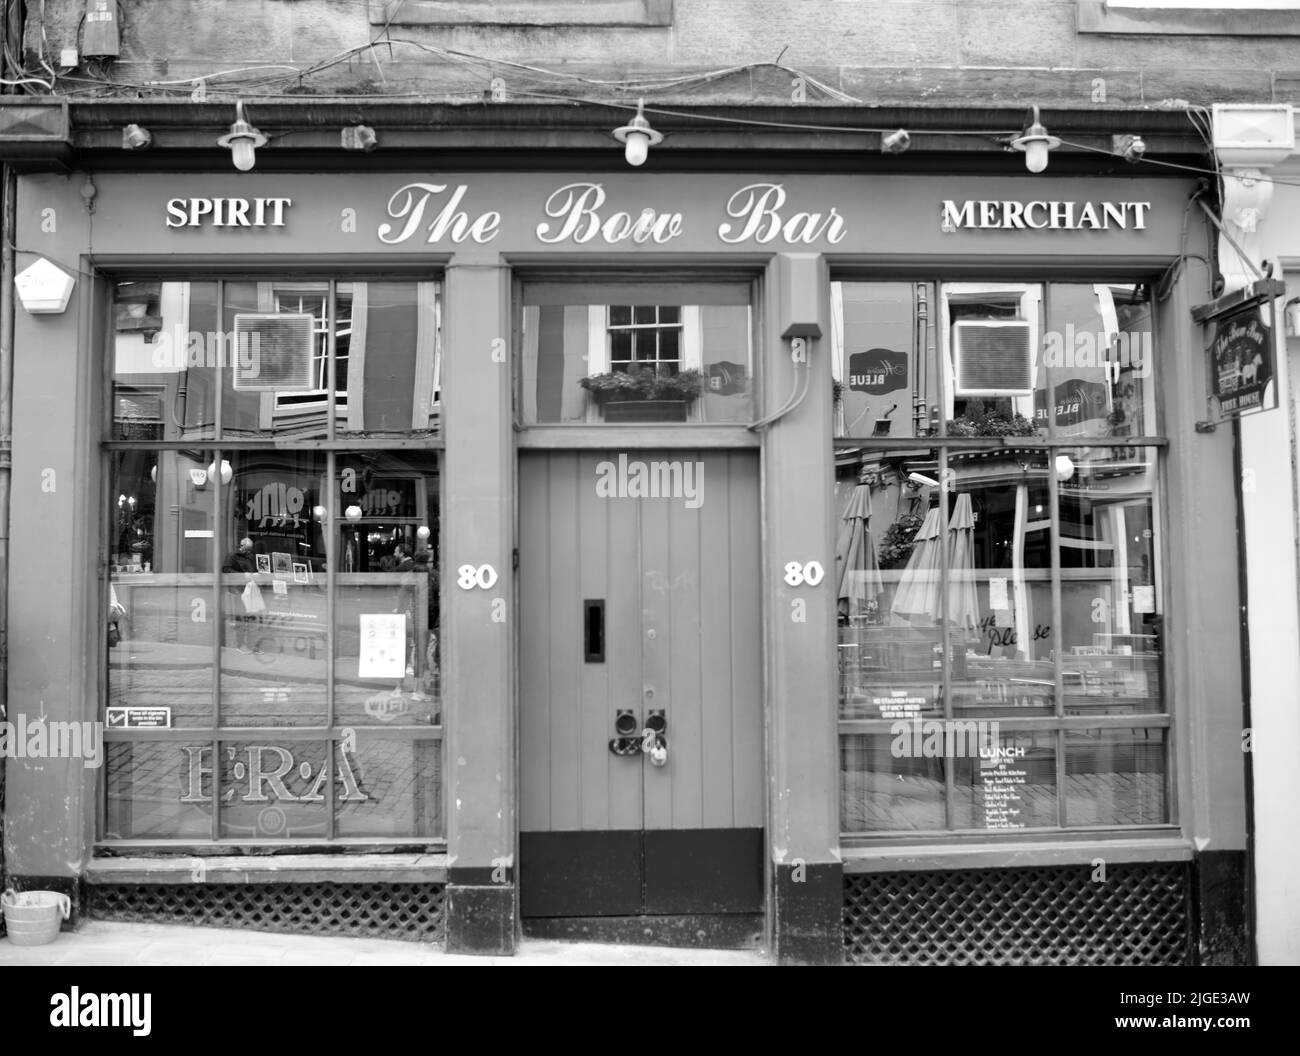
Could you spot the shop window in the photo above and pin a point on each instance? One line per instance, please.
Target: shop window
(278, 605)
(636, 353)
(264, 352)
(998, 573)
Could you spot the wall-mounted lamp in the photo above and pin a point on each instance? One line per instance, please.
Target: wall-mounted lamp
(227, 474)
(916, 480)
(1130, 148)
(1035, 142)
(1064, 467)
(44, 288)
(353, 513)
(136, 137)
(359, 137)
(638, 136)
(895, 142)
(243, 140)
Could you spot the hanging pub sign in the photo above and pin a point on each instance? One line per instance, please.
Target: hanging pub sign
(1239, 344)
(877, 371)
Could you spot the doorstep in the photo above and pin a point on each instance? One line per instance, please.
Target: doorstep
(271, 869)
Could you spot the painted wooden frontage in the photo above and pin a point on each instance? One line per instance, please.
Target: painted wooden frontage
(677, 580)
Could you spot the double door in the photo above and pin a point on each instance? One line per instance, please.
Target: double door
(641, 750)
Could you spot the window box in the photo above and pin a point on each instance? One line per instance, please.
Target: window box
(644, 410)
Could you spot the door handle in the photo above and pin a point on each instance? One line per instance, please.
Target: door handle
(626, 741)
(654, 738)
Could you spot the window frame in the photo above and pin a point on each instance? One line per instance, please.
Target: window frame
(944, 445)
(1244, 18)
(595, 432)
(331, 449)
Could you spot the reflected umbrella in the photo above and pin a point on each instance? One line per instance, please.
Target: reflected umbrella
(917, 597)
(857, 569)
(963, 608)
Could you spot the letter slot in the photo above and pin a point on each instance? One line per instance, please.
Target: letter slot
(593, 624)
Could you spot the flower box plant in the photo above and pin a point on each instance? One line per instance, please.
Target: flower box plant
(976, 421)
(642, 394)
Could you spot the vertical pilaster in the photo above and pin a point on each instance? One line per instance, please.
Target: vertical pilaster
(55, 619)
(798, 469)
(478, 629)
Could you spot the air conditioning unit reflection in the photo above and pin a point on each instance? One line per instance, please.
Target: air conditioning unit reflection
(993, 357)
(273, 353)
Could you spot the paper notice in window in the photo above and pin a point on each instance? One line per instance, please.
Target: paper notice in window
(281, 587)
(383, 645)
(1144, 599)
(998, 593)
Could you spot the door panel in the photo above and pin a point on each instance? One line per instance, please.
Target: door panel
(600, 871)
(703, 871)
(680, 589)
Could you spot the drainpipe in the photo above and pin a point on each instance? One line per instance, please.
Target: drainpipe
(7, 231)
(11, 24)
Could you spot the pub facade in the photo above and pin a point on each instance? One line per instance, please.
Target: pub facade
(766, 556)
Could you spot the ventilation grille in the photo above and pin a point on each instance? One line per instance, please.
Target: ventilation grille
(993, 357)
(379, 911)
(1040, 916)
(273, 353)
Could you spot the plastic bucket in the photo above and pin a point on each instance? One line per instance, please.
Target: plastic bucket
(32, 918)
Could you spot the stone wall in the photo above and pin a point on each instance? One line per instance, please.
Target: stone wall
(878, 52)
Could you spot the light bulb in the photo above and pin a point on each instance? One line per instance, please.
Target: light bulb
(319, 512)
(243, 154)
(422, 532)
(353, 513)
(1035, 156)
(638, 148)
(1064, 467)
(242, 141)
(637, 137)
(226, 472)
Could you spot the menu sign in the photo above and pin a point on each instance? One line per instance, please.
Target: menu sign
(1002, 779)
(1241, 359)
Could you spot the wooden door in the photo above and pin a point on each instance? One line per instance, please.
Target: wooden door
(665, 545)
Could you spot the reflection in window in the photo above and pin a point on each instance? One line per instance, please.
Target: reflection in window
(264, 351)
(992, 359)
(993, 594)
(641, 353)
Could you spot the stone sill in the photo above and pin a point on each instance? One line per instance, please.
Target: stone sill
(521, 13)
(272, 869)
(1096, 16)
(1006, 855)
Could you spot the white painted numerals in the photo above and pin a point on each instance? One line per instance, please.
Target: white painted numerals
(797, 574)
(483, 577)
